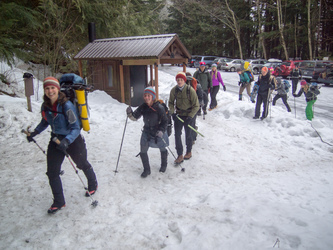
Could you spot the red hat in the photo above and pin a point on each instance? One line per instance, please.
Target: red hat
(51, 81)
(202, 63)
(303, 82)
(181, 75)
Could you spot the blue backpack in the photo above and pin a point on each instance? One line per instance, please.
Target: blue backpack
(249, 73)
(286, 85)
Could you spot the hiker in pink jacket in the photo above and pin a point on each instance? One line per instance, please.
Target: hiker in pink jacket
(216, 80)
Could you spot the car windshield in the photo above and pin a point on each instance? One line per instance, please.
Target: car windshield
(308, 64)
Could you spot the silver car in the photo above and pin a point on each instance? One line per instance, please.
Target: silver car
(232, 64)
(256, 65)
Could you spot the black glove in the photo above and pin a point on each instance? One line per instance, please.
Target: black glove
(239, 83)
(129, 110)
(31, 136)
(63, 144)
(224, 88)
(187, 120)
(174, 116)
(159, 133)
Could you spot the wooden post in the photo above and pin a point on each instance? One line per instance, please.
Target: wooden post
(122, 89)
(29, 88)
(151, 75)
(156, 80)
(80, 68)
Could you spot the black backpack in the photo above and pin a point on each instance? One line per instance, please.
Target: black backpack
(169, 128)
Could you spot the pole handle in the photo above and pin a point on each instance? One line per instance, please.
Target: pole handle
(25, 132)
(56, 140)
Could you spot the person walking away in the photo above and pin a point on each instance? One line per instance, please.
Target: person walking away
(310, 94)
(244, 83)
(295, 75)
(191, 81)
(154, 133)
(183, 102)
(266, 83)
(60, 113)
(216, 80)
(281, 93)
(202, 75)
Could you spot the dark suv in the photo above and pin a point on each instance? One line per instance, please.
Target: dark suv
(312, 69)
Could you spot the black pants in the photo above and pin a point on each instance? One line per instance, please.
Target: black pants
(77, 151)
(213, 93)
(261, 98)
(294, 82)
(284, 99)
(205, 99)
(188, 135)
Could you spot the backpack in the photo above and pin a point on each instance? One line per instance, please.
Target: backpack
(76, 90)
(169, 127)
(286, 85)
(249, 73)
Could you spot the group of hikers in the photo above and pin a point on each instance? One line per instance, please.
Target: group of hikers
(187, 98)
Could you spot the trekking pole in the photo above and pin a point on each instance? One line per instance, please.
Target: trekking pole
(28, 134)
(94, 202)
(182, 169)
(190, 126)
(295, 106)
(121, 145)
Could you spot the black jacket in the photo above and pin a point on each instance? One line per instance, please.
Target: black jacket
(154, 117)
(310, 95)
(265, 83)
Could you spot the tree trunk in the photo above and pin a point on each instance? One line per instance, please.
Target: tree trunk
(309, 30)
(261, 39)
(281, 28)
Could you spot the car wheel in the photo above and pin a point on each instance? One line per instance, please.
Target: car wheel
(256, 71)
(232, 69)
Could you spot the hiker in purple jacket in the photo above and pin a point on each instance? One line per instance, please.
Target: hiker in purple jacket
(216, 80)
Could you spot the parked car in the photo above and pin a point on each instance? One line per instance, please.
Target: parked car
(312, 69)
(192, 61)
(326, 77)
(219, 60)
(207, 59)
(272, 65)
(284, 69)
(256, 65)
(232, 65)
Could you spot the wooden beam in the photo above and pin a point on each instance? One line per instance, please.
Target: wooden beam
(156, 80)
(80, 68)
(141, 61)
(151, 74)
(174, 61)
(122, 88)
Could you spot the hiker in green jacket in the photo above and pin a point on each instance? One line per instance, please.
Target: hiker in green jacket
(204, 78)
(183, 102)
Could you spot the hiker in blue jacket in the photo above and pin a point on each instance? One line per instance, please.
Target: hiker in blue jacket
(244, 83)
(60, 113)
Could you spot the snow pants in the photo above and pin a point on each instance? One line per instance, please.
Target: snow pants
(294, 82)
(205, 99)
(309, 111)
(246, 86)
(284, 99)
(213, 93)
(55, 157)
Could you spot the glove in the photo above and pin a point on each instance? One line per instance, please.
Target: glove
(224, 88)
(239, 83)
(31, 136)
(187, 120)
(63, 144)
(159, 134)
(174, 116)
(129, 110)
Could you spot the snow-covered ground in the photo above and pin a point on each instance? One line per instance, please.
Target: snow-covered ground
(249, 185)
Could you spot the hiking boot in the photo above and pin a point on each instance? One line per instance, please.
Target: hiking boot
(145, 163)
(179, 159)
(187, 156)
(92, 192)
(262, 118)
(255, 117)
(210, 109)
(53, 209)
(164, 161)
(205, 112)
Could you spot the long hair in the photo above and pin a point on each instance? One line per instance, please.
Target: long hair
(61, 99)
(215, 74)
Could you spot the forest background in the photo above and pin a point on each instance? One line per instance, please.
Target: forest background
(52, 32)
